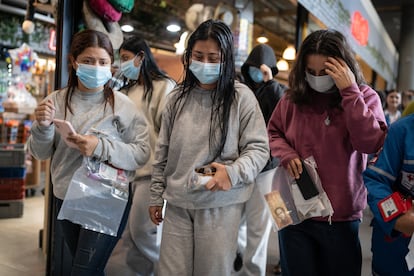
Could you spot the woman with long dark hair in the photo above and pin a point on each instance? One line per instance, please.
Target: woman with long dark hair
(212, 145)
(327, 113)
(90, 105)
(147, 86)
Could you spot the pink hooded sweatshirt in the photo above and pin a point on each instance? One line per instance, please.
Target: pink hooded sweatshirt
(339, 141)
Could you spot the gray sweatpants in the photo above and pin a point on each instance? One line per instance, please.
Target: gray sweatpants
(199, 242)
(255, 228)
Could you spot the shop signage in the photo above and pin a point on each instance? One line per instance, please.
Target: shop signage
(359, 28)
(52, 40)
(360, 23)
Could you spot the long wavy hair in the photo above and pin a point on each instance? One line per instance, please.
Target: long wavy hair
(329, 43)
(224, 94)
(81, 41)
(149, 69)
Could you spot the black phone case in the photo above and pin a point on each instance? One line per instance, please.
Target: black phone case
(306, 185)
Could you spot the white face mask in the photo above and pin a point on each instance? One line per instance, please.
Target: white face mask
(321, 84)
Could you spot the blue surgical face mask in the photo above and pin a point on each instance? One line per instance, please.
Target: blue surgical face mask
(93, 76)
(129, 69)
(321, 84)
(255, 74)
(206, 73)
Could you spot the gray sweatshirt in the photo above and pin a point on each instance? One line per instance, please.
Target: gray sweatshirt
(152, 109)
(126, 145)
(187, 146)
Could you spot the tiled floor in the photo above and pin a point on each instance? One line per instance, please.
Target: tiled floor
(20, 254)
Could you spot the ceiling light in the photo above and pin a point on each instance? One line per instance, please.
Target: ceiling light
(173, 28)
(127, 28)
(262, 38)
(282, 65)
(289, 53)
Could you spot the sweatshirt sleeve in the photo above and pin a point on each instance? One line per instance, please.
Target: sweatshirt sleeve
(160, 159)
(364, 118)
(253, 143)
(132, 150)
(380, 177)
(41, 140)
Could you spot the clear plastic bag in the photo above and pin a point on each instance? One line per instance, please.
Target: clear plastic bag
(96, 198)
(286, 202)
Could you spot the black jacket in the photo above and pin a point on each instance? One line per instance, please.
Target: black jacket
(268, 93)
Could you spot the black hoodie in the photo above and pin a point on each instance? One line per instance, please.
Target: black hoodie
(267, 93)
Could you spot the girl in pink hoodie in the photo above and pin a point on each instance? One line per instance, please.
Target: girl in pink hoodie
(327, 113)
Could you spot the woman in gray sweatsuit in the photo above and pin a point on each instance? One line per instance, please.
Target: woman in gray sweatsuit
(88, 103)
(209, 120)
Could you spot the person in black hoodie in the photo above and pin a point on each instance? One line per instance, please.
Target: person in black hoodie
(258, 72)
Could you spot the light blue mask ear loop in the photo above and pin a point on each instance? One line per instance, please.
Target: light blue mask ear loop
(131, 72)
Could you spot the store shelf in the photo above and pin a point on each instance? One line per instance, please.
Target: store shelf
(12, 155)
(11, 208)
(12, 188)
(15, 162)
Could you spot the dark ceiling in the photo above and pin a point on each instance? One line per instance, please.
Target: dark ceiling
(389, 12)
(277, 18)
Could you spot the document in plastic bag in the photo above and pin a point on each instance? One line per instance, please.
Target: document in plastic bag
(287, 202)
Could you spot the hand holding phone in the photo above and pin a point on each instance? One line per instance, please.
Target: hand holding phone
(305, 183)
(200, 177)
(65, 128)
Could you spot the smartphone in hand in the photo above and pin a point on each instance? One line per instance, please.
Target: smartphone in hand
(306, 185)
(200, 177)
(65, 128)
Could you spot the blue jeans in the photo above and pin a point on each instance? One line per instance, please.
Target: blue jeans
(315, 248)
(90, 250)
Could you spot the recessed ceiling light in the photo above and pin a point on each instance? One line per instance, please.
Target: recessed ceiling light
(127, 28)
(173, 28)
(262, 39)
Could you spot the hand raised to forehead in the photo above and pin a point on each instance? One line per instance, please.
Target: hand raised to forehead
(340, 72)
